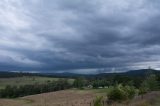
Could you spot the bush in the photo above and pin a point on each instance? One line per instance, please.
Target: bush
(130, 91)
(142, 90)
(98, 101)
(120, 93)
(116, 94)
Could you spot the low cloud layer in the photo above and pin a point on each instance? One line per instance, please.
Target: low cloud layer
(79, 35)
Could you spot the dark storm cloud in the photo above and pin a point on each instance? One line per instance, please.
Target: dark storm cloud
(79, 35)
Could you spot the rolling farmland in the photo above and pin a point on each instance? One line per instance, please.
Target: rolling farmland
(31, 80)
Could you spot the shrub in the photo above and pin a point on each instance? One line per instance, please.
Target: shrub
(142, 91)
(130, 91)
(98, 101)
(120, 93)
(116, 94)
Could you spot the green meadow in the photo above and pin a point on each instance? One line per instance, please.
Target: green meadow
(27, 80)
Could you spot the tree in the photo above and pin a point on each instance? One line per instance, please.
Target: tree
(142, 91)
(79, 83)
(151, 83)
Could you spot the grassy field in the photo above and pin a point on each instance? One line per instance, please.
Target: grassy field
(26, 80)
(59, 98)
(75, 97)
(102, 91)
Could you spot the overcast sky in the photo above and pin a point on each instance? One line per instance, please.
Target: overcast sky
(83, 36)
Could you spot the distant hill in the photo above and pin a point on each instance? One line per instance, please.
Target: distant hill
(4, 74)
(141, 72)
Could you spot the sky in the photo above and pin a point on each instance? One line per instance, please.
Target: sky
(81, 36)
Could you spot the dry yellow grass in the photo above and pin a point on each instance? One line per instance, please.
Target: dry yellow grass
(75, 98)
(9, 102)
(59, 98)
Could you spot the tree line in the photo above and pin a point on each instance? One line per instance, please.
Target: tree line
(24, 90)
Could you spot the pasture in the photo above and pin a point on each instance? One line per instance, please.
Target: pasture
(31, 80)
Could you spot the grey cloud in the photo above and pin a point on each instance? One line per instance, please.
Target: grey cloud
(53, 35)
